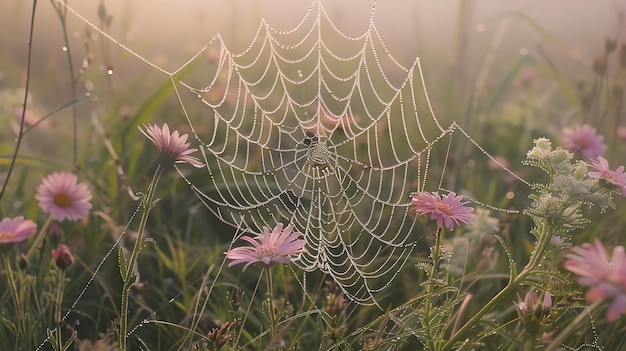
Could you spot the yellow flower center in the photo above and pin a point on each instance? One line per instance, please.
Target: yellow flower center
(447, 209)
(63, 200)
(267, 251)
(7, 236)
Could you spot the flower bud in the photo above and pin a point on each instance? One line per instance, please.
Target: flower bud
(547, 301)
(22, 261)
(528, 305)
(55, 234)
(62, 257)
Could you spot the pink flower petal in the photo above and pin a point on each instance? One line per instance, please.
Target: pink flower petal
(276, 245)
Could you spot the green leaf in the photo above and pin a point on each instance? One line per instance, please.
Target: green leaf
(53, 340)
(69, 341)
(509, 257)
(121, 257)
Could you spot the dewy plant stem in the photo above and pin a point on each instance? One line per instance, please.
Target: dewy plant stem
(514, 282)
(128, 269)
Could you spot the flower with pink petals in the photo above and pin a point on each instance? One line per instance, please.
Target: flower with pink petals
(15, 230)
(607, 278)
(601, 170)
(173, 146)
(584, 140)
(270, 246)
(531, 303)
(60, 196)
(448, 210)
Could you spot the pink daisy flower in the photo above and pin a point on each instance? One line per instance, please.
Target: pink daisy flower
(172, 146)
(60, 196)
(601, 170)
(584, 140)
(15, 230)
(448, 210)
(270, 246)
(606, 277)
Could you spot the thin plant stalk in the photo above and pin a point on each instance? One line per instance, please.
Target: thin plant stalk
(39, 237)
(26, 88)
(270, 304)
(433, 340)
(58, 314)
(129, 270)
(18, 305)
(62, 13)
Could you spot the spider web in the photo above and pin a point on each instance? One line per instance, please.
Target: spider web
(320, 129)
(310, 127)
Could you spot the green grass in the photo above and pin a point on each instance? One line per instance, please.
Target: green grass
(187, 290)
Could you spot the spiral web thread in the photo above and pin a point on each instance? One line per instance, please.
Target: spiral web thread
(320, 129)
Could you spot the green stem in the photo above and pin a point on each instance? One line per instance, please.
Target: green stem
(147, 200)
(39, 238)
(19, 312)
(62, 14)
(59, 301)
(270, 304)
(432, 276)
(544, 239)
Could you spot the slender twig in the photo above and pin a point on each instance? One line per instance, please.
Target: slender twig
(19, 135)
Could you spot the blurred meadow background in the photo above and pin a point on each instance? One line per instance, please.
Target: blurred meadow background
(507, 72)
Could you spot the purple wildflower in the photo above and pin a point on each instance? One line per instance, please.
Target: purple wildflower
(448, 210)
(584, 140)
(607, 278)
(15, 230)
(601, 170)
(172, 146)
(270, 246)
(60, 196)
